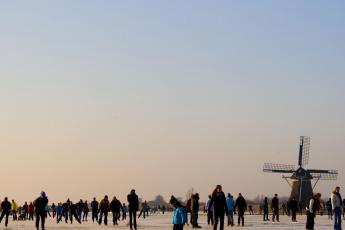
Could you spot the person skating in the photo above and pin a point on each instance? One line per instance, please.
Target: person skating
(94, 210)
(144, 210)
(79, 209)
(115, 208)
(275, 208)
(179, 214)
(230, 204)
(266, 209)
(195, 210)
(64, 212)
(72, 209)
(103, 210)
(209, 211)
(220, 207)
(31, 211)
(26, 210)
(337, 204)
(312, 207)
(58, 212)
(40, 210)
(133, 207)
(6, 210)
(14, 209)
(124, 211)
(85, 211)
(53, 207)
(241, 206)
(329, 209)
(293, 205)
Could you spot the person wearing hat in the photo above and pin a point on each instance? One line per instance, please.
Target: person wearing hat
(133, 207)
(40, 210)
(179, 215)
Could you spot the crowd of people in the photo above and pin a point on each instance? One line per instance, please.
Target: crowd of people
(219, 208)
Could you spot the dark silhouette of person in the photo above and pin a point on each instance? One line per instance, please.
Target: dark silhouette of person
(124, 211)
(64, 211)
(220, 207)
(195, 210)
(275, 208)
(85, 210)
(103, 210)
(266, 209)
(133, 207)
(293, 205)
(241, 206)
(6, 210)
(40, 210)
(115, 208)
(94, 209)
(72, 208)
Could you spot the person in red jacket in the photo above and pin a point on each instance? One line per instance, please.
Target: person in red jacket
(31, 211)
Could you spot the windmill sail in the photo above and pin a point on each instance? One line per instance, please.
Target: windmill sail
(304, 147)
(279, 168)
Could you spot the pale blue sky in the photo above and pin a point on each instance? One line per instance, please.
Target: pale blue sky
(214, 86)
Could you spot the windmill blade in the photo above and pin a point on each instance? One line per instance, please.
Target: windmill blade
(323, 174)
(304, 147)
(278, 168)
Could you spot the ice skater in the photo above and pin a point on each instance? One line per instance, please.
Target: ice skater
(179, 214)
(133, 207)
(40, 210)
(220, 207)
(6, 210)
(312, 207)
(241, 206)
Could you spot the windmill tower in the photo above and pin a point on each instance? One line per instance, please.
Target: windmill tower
(300, 179)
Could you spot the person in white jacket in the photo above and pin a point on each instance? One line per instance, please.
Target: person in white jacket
(337, 204)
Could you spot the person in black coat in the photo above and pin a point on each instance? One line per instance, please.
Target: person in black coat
(293, 205)
(115, 208)
(40, 210)
(218, 201)
(241, 206)
(133, 207)
(275, 208)
(6, 209)
(266, 209)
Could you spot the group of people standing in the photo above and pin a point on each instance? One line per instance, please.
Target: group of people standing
(217, 207)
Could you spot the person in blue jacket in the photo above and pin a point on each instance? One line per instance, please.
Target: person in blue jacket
(230, 203)
(179, 215)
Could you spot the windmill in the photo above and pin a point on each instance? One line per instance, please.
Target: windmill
(300, 179)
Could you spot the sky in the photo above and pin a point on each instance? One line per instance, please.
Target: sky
(99, 97)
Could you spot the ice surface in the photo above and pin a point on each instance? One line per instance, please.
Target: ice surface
(160, 222)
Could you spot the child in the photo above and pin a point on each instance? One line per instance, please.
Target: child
(179, 216)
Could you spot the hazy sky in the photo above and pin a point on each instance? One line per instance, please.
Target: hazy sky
(101, 96)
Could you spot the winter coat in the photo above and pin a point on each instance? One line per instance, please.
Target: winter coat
(230, 204)
(6, 206)
(115, 206)
(241, 204)
(94, 205)
(219, 203)
(40, 205)
(180, 216)
(133, 202)
(336, 200)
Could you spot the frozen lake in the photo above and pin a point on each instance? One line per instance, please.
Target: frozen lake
(160, 222)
